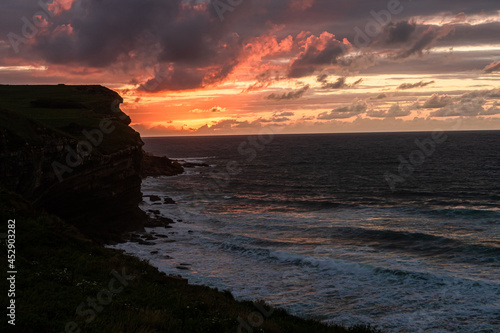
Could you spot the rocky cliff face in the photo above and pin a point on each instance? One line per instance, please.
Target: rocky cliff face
(70, 151)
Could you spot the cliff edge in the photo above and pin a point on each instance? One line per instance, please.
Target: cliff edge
(69, 150)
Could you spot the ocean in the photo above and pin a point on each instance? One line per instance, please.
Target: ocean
(397, 230)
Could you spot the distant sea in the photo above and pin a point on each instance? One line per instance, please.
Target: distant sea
(398, 230)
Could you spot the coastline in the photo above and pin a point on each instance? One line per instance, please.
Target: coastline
(63, 222)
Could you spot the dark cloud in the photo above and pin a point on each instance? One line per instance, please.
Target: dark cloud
(188, 39)
(264, 80)
(437, 101)
(470, 108)
(340, 83)
(420, 84)
(294, 94)
(344, 112)
(322, 78)
(381, 96)
(176, 79)
(284, 114)
(393, 112)
(215, 109)
(468, 34)
(318, 52)
(399, 32)
(424, 41)
(493, 93)
(278, 117)
(192, 49)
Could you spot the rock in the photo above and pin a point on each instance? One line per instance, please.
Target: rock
(153, 198)
(154, 252)
(154, 166)
(154, 211)
(178, 278)
(161, 236)
(149, 237)
(145, 243)
(158, 221)
(169, 201)
(194, 165)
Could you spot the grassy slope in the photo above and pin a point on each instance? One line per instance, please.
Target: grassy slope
(58, 269)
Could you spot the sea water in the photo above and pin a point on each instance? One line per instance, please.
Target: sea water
(398, 230)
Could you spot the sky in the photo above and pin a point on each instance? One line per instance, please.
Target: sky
(245, 66)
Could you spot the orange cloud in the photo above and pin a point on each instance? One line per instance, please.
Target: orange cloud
(493, 67)
(60, 6)
(318, 52)
(302, 4)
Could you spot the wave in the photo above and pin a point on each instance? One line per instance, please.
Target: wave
(332, 266)
(416, 242)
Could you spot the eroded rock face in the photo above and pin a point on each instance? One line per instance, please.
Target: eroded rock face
(69, 150)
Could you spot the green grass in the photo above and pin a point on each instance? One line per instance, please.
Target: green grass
(58, 269)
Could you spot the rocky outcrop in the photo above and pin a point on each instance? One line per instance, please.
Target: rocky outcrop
(154, 166)
(69, 150)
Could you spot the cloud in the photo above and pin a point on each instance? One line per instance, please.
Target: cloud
(493, 67)
(437, 101)
(318, 52)
(294, 94)
(344, 112)
(339, 84)
(420, 84)
(301, 5)
(284, 114)
(394, 111)
(215, 109)
(264, 80)
(493, 110)
(493, 93)
(399, 32)
(424, 41)
(468, 108)
(179, 36)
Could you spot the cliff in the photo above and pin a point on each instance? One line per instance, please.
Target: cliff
(69, 150)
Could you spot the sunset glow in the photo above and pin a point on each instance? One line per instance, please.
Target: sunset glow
(310, 66)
